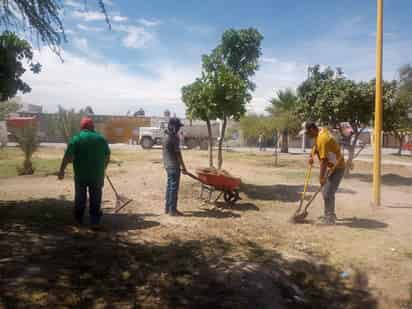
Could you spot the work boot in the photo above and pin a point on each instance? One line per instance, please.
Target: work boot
(327, 220)
(176, 213)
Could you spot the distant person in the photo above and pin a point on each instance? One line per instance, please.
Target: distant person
(329, 154)
(90, 155)
(174, 165)
(260, 142)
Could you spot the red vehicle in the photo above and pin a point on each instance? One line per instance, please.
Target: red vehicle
(21, 122)
(407, 146)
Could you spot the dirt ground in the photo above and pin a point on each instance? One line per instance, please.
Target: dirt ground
(247, 255)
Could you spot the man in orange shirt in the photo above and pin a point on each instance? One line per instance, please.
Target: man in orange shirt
(330, 157)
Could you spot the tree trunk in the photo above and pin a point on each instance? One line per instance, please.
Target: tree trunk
(209, 131)
(277, 149)
(222, 135)
(285, 143)
(401, 139)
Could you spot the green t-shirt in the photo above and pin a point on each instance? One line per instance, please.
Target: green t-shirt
(89, 151)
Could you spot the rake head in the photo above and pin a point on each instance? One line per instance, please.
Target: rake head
(121, 202)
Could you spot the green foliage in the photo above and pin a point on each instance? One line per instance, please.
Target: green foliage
(285, 101)
(13, 51)
(198, 100)
(224, 88)
(88, 110)
(254, 125)
(330, 98)
(7, 108)
(28, 141)
(67, 123)
(397, 104)
(39, 17)
(239, 50)
(283, 109)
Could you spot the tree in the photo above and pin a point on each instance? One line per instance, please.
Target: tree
(41, 18)
(228, 71)
(13, 51)
(283, 107)
(89, 110)
(253, 125)
(397, 102)
(28, 142)
(167, 113)
(67, 123)
(139, 113)
(8, 107)
(199, 105)
(331, 99)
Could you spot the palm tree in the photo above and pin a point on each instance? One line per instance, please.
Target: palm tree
(282, 108)
(28, 141)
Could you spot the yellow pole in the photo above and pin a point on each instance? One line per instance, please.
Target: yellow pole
(378, 108)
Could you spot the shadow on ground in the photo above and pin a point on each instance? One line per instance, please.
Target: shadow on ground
(45, 262)
(57, 214)
(281, 192)
(212, 213)
(361, 223)
(238, 206)
(387, 179)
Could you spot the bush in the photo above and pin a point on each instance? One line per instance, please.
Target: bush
(28, 141)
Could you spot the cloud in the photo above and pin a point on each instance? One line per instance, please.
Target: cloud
(80, 43)
(119, 18)
(107, 87)
(75, 4)
(275, 74)
(136, 37)
(89, 15)
(89, 28)
(148, 23)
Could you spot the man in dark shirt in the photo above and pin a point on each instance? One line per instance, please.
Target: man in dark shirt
(173, 163)
(90, 155)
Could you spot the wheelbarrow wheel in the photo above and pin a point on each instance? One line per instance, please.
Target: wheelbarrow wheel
(231, 197)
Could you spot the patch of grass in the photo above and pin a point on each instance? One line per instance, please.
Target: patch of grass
(12, 160)
(120, 155)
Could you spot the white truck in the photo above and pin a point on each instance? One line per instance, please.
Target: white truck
(194, 134)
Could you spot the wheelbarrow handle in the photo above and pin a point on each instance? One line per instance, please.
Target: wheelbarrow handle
(193, 176)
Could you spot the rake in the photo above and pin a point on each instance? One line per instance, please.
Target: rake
(121, 200)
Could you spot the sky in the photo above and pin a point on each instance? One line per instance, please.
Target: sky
(154, 48)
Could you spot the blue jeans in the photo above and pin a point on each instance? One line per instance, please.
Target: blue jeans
(95, 199)
(172, 189)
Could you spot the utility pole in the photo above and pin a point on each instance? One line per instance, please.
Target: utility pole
(378, 108)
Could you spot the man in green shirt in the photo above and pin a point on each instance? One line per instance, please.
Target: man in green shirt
(90, 155)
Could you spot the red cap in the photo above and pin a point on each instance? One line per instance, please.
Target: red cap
(86, 123)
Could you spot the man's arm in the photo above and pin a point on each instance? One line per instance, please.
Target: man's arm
(107, 153)
(107, 161)
(323, 171)
(181, 162)
(311, 155)
(67, 159)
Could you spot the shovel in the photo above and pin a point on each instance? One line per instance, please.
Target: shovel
(305, 187)
(300, 217)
